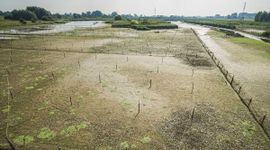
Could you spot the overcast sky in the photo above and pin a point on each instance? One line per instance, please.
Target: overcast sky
(146, 7)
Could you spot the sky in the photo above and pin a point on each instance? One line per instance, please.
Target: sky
(144, 7)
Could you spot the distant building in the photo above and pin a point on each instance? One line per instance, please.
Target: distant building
(245, 15)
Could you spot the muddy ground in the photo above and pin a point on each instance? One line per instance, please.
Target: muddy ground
(119, 89)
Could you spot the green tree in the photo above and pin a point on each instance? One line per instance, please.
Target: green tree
(118, 17)
(40, 12)
(96, 13)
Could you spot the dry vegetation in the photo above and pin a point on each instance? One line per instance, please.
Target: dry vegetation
(119, 89)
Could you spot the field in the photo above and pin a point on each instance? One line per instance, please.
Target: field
(112, 88)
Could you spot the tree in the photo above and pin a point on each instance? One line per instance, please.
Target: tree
(96, 13)
(76, 15)
(118, 17)
(21, 15)
(40, 12)
(114, 14)
(262, 16)
(258, 16)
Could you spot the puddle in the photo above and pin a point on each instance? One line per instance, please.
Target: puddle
(56, 28)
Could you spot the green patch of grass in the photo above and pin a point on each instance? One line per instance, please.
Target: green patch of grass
(14, 120)
(29, 87)
(124, 145)
(70, 130)
(23, 139)
(251, 43)
(6, 109)
(125, 104)
(104, 148)
(51, 113)
(146, 140)
(46, 133)
(248, 128)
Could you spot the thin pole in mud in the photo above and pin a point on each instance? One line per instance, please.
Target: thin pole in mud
(263, 119)
(116, 67)
(79, 64)
(127, 58)
(158, 69)
(99, 77)
(53, 76)
(162, 59)
(192, 88)
(70, 100)
(232, 80)
(8, 73)
(192, 115)
(64, 54)
(150, 84)
(139, 108)
(239, 89)
(192, 72)
(249, 102)
(11, 94)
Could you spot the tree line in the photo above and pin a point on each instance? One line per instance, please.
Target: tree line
(262, 16)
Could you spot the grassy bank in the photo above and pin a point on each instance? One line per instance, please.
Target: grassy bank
(249, 26)
(143, 24)
(245, 43)
(6, 24)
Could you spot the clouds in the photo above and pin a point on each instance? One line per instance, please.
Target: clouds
(164, 7)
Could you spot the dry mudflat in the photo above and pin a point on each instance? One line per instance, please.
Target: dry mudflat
(119, 89)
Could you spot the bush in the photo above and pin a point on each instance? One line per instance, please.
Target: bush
(21, 14)
(266, 34)
(47, 18)
(22, 21)
(118, 17)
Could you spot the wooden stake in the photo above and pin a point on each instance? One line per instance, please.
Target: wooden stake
(150, 83)
(239, 89)
(70, 101)
(192, 88)
(232, 80)
(263, 119)
(11, 94)
(99, 78)
(192, 115)
(79, 63)
(249, 102)
(53, 76)
(139, 108)
(127, 58)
